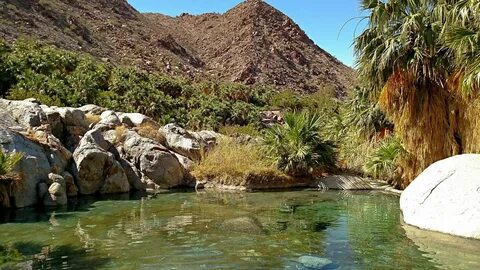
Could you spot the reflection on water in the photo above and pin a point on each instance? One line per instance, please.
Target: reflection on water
(271, 230)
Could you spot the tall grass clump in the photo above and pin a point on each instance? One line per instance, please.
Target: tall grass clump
(298, 146)
(234, 163)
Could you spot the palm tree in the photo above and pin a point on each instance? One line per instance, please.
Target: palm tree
(8, 163)
(462, 36)
(402, 57)
(298, 147)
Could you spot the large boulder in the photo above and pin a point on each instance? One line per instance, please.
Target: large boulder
(189, 144)
(446, 197)
(40, 159)
(97, 170)
(137, 120)
(27, 113)
(109, 118)
(155, 162)
(92, 109)
(57, 191)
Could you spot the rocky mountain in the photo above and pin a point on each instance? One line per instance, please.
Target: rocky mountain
(253, 43)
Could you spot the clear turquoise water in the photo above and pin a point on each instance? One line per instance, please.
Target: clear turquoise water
(354, 230)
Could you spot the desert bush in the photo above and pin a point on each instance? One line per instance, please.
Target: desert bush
(119, 133)
(152, 132)
(298, 146)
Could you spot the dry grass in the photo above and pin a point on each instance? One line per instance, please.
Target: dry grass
(119, 134)
(152, 132)
(92, 118)
(231, 163)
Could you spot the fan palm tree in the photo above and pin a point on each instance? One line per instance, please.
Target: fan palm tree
(462, 36)
(402, 57)
(298, 147)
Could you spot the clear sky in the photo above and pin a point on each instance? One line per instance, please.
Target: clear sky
(322, 20)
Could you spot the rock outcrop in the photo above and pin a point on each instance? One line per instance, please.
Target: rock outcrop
(109, 155)
(446, 197)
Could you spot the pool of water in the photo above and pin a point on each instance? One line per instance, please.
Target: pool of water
(187, 230)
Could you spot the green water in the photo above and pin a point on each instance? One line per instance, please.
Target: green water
(355, 230)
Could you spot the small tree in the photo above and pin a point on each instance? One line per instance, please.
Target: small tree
(298, 146)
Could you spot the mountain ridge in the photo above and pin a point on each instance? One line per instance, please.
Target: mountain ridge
(252, 43)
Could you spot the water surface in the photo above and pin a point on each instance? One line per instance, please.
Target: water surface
(272, 230)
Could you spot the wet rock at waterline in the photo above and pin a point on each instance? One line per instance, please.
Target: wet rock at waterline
(109, 156)
(345, 182)
(158, 166)
(39, 160)
(446, 197)
(95, 169)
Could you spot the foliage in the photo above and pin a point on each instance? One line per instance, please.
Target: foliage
(231, 162)
(8, 162)
(462, 36)
(63, 78)
(384, 160)
(364, 114)
(251, 130)
(298, 146)
(289, 100)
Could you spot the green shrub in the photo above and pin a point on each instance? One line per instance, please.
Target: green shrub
(8, 162)
(363, 113)
(63, 78)
(250, 130)
(383, 162)
(298, 146)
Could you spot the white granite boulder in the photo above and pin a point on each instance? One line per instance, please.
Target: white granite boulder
(446, 197)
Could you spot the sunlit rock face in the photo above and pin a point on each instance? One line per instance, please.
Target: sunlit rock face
(446, 197)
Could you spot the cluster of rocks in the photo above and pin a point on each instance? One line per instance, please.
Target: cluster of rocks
(90, 150)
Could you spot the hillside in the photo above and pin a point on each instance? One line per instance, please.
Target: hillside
(253, 43)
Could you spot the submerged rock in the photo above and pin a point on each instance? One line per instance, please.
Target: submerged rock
(314, 262)
(446, 197)
(243, 225)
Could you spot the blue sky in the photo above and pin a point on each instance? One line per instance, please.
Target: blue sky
(321, 19)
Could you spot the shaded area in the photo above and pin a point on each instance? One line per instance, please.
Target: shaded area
(29, 255)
